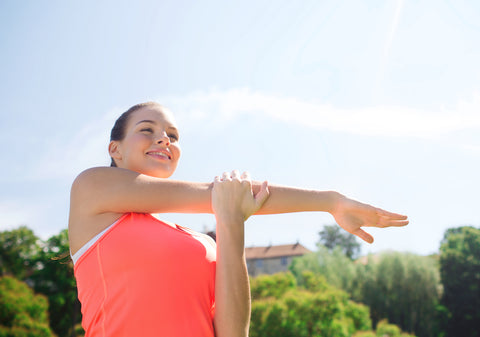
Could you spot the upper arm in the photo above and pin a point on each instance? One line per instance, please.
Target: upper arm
(109, 189)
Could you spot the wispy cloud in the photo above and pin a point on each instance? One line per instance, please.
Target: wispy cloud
(387, 121)
(88, 147)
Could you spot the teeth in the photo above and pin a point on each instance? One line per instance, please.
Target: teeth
(160, 154)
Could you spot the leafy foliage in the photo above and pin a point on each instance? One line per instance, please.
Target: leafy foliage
(460, 272)
(317, 309)
(384, 329)
(333, 237)
(18, 250)
(22, 313)
(337, 268)
(264, 286)
(405, 288)
(39, 264)
(55, 279)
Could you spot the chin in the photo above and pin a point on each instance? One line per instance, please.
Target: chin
(159, 173)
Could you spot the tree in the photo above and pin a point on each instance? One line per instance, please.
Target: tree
(333, 265)
(405, 289)
(384, 329)
(22, 313)
(332, 237)
(316, 309)
(46, 266)
(55, 279)
(18, 251)
(460, 273)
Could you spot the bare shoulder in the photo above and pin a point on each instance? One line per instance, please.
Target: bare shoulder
(85, 221)
(90, 178)
(93, 189)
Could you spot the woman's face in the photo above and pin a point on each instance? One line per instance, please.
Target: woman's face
(150, 145)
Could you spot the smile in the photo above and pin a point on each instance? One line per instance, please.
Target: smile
(159, 154)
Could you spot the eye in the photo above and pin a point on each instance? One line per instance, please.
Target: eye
(173, 137)
(149, 130)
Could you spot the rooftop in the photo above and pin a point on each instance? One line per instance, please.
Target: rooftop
(275, 251)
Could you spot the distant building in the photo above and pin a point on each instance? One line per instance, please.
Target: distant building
(272, 259)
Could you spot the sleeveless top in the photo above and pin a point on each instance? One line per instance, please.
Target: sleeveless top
(145, 278)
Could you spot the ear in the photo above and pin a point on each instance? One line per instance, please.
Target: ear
(114, 150)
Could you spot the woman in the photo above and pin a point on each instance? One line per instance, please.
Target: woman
(138, 276)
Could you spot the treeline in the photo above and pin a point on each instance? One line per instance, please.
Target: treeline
(282, 307)
(427, 296)
(330, 292)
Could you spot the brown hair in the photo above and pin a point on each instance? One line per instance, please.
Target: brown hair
(118, 130)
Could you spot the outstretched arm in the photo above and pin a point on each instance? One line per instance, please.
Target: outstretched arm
(108, 189)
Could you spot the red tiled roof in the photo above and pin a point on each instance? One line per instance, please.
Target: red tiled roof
(275, 251)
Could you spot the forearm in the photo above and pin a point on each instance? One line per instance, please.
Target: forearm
(232, 290)
(284, 199)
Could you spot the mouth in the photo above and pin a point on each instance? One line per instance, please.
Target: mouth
(160, 154)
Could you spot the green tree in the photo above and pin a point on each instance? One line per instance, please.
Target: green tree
(22, 313)
(460, 272)
(384, 329)
(334, 265)
(18, 251)
(332, 236)
(54, 278)
(264, 286)
(405, 289)
(315, 309)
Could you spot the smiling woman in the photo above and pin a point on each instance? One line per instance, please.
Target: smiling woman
(160, 126)
(137, 275)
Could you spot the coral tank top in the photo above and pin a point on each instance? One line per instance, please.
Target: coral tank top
(146, 278)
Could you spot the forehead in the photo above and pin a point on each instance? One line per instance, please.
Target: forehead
(154, 113)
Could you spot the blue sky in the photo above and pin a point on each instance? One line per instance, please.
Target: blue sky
(379, 100)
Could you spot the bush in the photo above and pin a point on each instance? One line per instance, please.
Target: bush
(22, 313)
(317, 309)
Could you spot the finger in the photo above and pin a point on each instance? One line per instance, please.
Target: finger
(235, 175)
(226, 176)
(391, 215)
(363, 235)
(246, 176)
(393, 223)
(216, 181)
(383, 222)
(262, 195)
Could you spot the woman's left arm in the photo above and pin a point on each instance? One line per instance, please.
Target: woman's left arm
(233, 202)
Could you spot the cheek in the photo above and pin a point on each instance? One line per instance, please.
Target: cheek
(140, 141)
(176, 151)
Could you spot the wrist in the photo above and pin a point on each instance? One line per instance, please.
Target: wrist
(335, 200)
(231, 238)
(227, 219)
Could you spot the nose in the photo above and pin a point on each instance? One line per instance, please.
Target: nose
(163, 139)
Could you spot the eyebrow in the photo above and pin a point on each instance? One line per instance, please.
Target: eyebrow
(146, 121)
(153, 122)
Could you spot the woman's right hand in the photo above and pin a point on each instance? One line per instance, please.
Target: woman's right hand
(233, 198)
